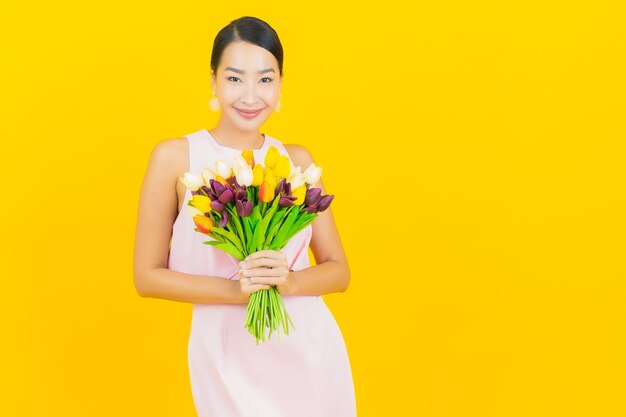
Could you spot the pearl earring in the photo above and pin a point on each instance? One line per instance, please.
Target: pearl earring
(278, 104)
(214, 105)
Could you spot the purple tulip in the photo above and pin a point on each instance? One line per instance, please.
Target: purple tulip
(203, 190)
(224, 219)
(312, 196)
(281, 186)
(217, 187)
(227, 196)
(244, 207)
(324, 202)
(309, 209)
(217, 205)
(283, 189)
(286, 200)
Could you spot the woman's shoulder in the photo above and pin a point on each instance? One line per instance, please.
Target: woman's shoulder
(299, 155)
(171, 153)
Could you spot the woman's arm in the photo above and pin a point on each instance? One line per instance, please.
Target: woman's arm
(331, 272)
(156, 214)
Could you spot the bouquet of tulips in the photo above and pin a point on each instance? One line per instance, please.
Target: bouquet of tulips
(247, 207)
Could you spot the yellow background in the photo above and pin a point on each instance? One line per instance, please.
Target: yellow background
(476, 151)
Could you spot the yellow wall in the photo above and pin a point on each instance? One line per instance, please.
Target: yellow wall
(486, 240)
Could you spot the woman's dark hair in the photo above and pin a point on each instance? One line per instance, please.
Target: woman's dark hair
(249, 29)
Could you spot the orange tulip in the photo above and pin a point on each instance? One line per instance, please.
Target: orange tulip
(203, 223)
(249, 157)
(266, 191)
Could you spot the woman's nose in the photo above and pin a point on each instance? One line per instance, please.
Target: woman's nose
(249, 95)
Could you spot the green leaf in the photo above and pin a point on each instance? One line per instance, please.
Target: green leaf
(260, 237)
(255, 217)
(303, 221)
(247, 230)
(281, 237)
(229, 236)
(274, 225)
(227, 247)
(236, 219)
(249, 234)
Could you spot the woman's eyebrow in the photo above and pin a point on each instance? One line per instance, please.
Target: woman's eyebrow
(238, 71)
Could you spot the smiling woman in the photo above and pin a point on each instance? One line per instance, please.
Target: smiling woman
(306, 373)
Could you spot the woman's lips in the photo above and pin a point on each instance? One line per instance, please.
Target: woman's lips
(248, 114)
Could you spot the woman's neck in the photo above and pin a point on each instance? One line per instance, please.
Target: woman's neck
(237, 138)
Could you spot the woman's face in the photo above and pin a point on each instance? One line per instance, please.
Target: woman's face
(247, 79)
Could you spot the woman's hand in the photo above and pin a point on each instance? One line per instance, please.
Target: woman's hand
(265, 268)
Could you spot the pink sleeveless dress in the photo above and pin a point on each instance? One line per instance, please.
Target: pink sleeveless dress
(304, 374)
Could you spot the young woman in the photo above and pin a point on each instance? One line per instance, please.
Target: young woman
(305, 373)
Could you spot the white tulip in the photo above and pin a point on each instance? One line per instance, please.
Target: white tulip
(244, 176)
(192, 181)
(223, 169)
(238, 162)
(295, 171)
(313, 174)
(296, 179)
(208, 175)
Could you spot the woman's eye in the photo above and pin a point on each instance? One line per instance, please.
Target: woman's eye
(233, 78)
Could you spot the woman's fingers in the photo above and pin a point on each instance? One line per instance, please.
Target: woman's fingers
(259, 272)
(248, 287)
(262, 262)
(267, 280)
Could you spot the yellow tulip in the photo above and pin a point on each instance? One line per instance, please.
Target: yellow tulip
(271, 157)
(221, 179)
(248, 155)
(300, 193)
(257, 175)
(268, 175)
(201, 202)
(283, 167)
